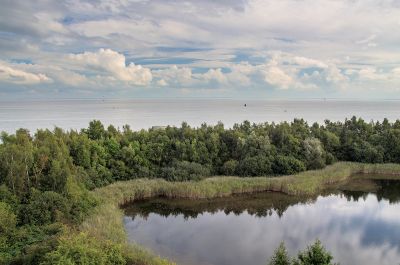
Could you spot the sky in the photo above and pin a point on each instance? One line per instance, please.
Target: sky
(284, 49)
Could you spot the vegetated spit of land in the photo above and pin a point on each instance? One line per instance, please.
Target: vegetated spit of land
(106, 222)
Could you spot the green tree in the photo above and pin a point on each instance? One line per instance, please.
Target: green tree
(280, 256)
(314, 153)
(315, 254)
(96, 130)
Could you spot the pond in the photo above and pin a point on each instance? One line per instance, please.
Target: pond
(358, 222)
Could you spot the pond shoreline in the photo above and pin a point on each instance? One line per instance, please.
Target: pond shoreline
(106, 221)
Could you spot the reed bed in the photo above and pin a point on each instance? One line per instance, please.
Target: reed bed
(106, 221)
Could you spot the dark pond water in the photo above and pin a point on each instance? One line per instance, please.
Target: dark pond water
(359, 223)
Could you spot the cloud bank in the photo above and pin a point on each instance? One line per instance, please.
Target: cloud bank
(239, 48)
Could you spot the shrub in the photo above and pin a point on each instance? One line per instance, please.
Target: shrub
(7, 219)
(229, 167)
(85, 250)
(259, 165)
(44, 208)
(280, 257)
(184, 170)
(287, 165)
(315, 254)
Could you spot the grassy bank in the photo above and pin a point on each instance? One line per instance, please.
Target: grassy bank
(106, 222)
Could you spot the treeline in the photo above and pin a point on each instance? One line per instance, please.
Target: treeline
(100, 156)
(45, 176)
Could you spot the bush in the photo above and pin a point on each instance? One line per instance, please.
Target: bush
(184, 170)
(259, 165)
(229, 167)
(287, 165)
(315, 254)
(44, 208)
(33, 242)
(85, 250)
(80, 200)
(8, 220)
(280, 257)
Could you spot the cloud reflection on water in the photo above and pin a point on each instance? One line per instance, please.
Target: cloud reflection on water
(365, 232)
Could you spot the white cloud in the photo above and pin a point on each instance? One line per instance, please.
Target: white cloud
(9, 73)
(162, 82)
(371, 73)
(334, 75)
(277, 77)
(181, 76)
(215, 75)
(109, 63)
(241, 73)
(253, 44)
(307, 62)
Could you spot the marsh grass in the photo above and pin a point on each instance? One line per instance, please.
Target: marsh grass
(106, 221)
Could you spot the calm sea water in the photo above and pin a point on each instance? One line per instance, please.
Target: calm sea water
(76, 114)
(358, 228)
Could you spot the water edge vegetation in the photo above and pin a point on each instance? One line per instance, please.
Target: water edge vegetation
(106, 222)
(60, 191)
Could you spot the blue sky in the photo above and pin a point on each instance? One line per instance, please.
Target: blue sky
(207, 49)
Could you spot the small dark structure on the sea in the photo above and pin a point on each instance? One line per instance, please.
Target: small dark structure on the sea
(245, 104)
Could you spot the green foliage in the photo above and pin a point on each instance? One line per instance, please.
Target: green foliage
(28, 244)
(45, 177)
(280, 256)
(82, 249)
(80, 200)
(43, 208)
(314, 153)
(315, 254)
(8, 197)
(96, 130)
(287, 165)
(7, 219)
(258, 165)
(230, 167)
(184, 170)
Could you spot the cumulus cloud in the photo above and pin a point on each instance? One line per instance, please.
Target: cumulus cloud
(113, 65)
(215, 75)
(162, 82)
(241, 73)
(307, 62)
(175, 75)
(9, 73)
(277, 77)
(371, 73)
(289, 71)
(237, 44)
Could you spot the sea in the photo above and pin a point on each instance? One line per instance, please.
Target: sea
(146, 113)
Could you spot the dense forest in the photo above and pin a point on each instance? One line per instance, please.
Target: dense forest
(46, 177)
